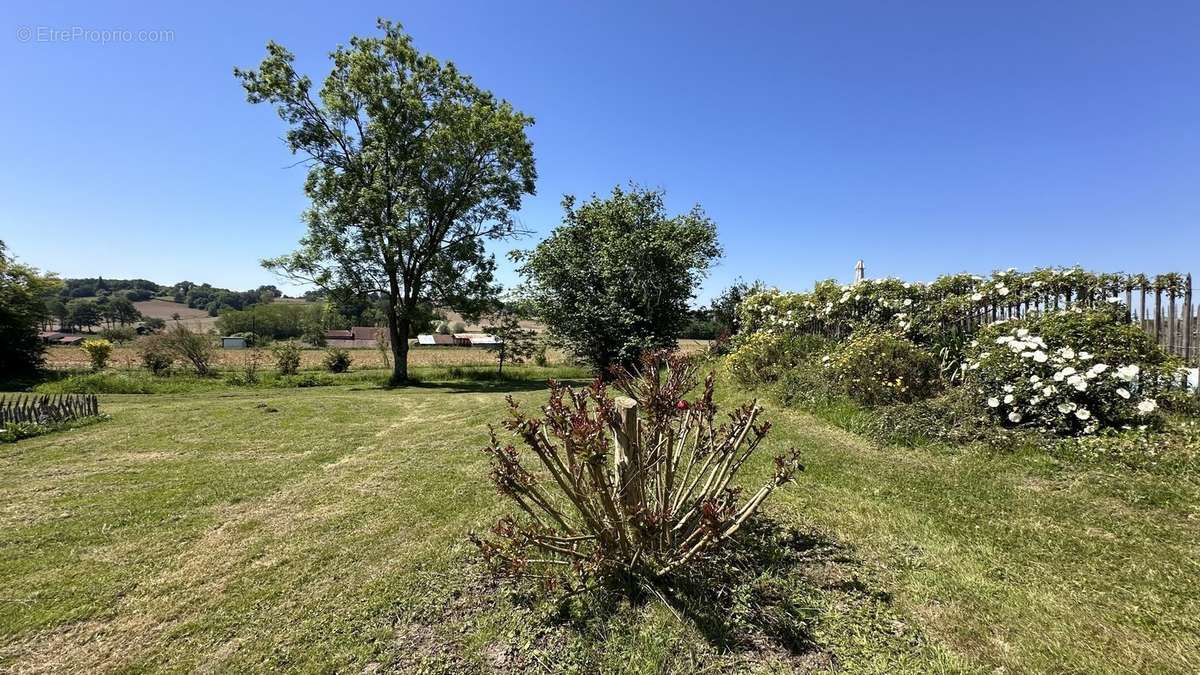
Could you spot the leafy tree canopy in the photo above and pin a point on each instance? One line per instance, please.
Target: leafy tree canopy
(615, 279)
(23, 308)
(411, 167)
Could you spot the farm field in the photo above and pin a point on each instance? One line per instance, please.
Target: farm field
(195, 319)
(125, 356)
(205, 532)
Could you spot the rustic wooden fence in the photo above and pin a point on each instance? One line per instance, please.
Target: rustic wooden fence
(1166, 307)
(47, 409)
(1169, 314)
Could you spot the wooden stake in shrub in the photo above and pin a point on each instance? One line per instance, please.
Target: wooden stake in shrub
(656, 496)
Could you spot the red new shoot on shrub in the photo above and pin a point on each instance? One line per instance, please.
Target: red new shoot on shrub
(628, 487)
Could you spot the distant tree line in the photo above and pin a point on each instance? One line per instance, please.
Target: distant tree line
(214, 300)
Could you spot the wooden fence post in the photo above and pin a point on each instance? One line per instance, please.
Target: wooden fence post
(1158, 315)
(626, 457)
(1187, 320)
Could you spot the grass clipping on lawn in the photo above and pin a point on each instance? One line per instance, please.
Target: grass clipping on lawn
(630, 488)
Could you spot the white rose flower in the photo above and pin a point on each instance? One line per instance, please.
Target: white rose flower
(1014, 417)
(1049, 391)
(1008, 388)
(1003, 290)
(1008, 398)
(1040, 356)
(977, 297)
(1147, 406)
(1022, 332)
(1034, 379)
(993, 402)
(1066, 407)
(1085, 356)
(1067, 353)
(1083, 413)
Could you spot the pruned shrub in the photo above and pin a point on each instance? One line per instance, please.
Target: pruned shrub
(882, 368)
(287, 357)
(156, 354)
(1070, 372)
(764, 357)
(337, 360)
(628, 489)
(98, 351)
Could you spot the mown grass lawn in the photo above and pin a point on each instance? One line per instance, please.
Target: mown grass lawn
(325, 529)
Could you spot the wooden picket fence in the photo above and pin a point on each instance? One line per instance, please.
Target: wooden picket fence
(47, 409)
(1170, 316)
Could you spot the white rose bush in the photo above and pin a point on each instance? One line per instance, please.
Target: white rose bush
(1024, 379)
(1071, 369)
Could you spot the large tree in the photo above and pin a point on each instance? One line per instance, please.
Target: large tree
(23, 309)
(411, 168)
(615, 279)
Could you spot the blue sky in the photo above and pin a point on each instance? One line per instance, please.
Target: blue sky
(922, 137)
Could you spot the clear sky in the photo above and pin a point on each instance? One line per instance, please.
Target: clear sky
(923, 137)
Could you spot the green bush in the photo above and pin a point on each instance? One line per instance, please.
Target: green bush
(337, 360)
(880, 368)
(952, 417)
(119, 334)
(807, 384)
(1070, 372)
(156, 354)
(194, 348)
(98, 350)
(764, 357)
(287, 357)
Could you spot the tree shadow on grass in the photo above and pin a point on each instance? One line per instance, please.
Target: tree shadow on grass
(488, 386)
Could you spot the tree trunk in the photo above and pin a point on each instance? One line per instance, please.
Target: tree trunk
(398, 328)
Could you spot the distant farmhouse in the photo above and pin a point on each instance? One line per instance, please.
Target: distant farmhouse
(365, 336)
(55, 338)
(358, 336)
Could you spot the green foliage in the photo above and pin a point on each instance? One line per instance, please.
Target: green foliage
(217, 300)
(929, 314)
(119, 334)
(287, 357)
(952, 418)
(1070, 372)
(765, 357)
(156, 354)
(880, 368)
(16, 431)
(84, 314)
(516, 343)
(196, 349)
(406, 152)
(275, 321)
(23, 308)
(724, 307)
(98, 350)
(337, 360)
(614, 280)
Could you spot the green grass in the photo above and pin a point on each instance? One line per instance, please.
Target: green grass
(141, 382)
(321, 529)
